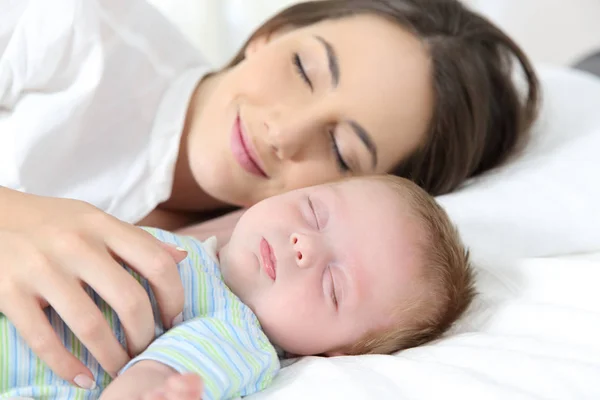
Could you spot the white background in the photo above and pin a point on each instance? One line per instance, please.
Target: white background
(550, 31)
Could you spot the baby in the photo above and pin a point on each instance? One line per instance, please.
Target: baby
(364, 265)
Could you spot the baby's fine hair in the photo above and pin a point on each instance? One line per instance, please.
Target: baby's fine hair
(446, 277)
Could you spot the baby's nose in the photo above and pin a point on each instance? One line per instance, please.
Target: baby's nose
(301, 250)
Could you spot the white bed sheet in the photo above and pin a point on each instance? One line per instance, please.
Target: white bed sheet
(534, 231)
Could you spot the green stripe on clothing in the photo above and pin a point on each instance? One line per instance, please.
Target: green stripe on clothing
(110, 316)
(189, 366)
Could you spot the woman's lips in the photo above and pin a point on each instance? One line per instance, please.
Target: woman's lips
(269, 263)
(244, 152)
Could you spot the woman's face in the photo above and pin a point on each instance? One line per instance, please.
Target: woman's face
(341, 97)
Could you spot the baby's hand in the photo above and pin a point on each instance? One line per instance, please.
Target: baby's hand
(151, 380)
(177, 387)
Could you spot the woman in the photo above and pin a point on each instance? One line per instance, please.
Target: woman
(108, 105)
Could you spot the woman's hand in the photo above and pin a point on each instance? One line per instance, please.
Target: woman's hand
(50, 248)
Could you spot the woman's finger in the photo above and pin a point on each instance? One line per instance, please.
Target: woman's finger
(148, 256)
(124, 294)
(82, 316)
(33, 326)
(177, 253)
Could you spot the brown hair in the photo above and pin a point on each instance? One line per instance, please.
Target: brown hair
(479, 117)
(446, 282)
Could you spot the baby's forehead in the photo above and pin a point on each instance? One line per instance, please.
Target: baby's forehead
(397, 275)
(402, 191)
(386, 213)
(398, 303)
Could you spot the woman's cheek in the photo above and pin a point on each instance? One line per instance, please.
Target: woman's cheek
(268, 80)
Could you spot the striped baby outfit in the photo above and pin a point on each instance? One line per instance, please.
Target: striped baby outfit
(220, 339)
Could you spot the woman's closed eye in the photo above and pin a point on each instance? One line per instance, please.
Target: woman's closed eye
(341, 163)
(339, 159)
(297, 61)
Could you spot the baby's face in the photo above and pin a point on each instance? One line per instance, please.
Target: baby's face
(325, 265)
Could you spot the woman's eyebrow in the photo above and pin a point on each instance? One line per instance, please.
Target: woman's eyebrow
(334, 65)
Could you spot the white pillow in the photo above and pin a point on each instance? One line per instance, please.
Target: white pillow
(545, 202)
(558, 32)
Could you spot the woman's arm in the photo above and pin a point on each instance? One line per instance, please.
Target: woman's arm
(49, 247)
(168, 220)
(221, 227)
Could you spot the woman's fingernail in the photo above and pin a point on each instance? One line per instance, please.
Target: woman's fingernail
(178, 319)
(84, 382)
(180, 249)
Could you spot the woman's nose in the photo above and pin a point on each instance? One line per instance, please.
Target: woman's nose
(305, 250)
(284, 141)
(290, 137)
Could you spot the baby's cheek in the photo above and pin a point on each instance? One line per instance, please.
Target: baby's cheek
(300, 332)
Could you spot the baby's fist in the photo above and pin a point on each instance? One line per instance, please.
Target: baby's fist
(177, 387)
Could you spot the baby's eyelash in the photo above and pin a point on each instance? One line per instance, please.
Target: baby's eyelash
(333, 295)
(310, 203)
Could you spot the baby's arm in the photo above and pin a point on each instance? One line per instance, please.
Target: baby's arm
(150, 379)
(233, 360)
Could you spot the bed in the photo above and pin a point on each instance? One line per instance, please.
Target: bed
(533, 228)
(534, 231)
